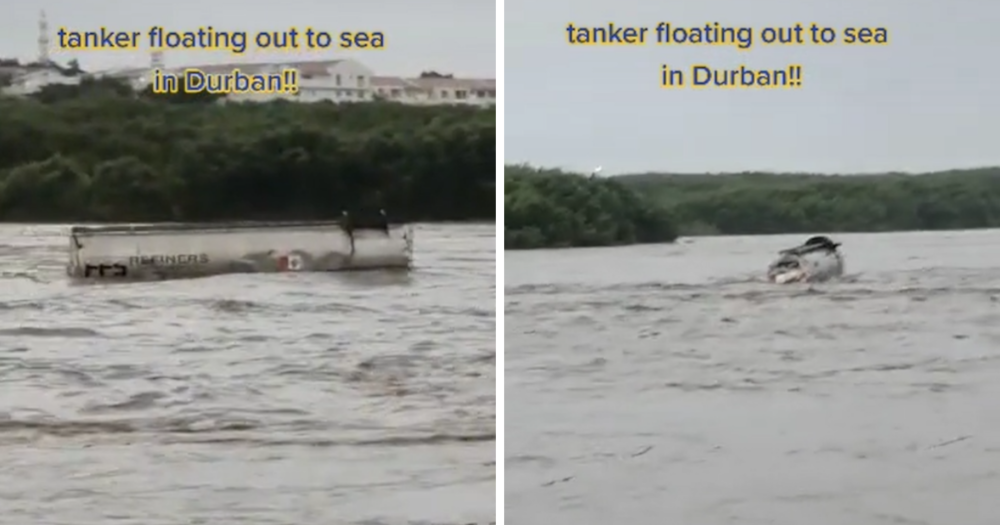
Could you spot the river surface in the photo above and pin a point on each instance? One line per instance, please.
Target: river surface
(277, 399)
(645, 385)
(667, 384)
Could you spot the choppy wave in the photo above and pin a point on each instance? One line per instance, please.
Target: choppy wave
(683, 389)
(339, 398)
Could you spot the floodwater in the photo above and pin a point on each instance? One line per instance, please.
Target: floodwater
(666, 384)
(274, 399)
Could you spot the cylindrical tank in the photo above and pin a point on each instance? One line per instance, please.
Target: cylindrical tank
(164, 251)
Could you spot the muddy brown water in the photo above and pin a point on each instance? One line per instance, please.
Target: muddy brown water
(667, 384)
(644, 385)
(249, 399)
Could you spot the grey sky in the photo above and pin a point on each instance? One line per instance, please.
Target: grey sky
(456, 36)
(927, 101)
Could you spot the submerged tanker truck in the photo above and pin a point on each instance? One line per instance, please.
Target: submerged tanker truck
(182, 250)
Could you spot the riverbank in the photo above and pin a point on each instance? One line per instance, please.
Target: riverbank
(768, 203)
(100, 152)
(554, 209)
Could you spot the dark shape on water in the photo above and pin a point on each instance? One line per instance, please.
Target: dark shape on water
(813, 244)
(365, 220)
(822, 241)
(105, 270)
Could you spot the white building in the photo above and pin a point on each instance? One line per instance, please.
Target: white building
(333, 80)
(436, 90)
(31, 79)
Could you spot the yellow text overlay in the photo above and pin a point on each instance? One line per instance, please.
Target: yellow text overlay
(195, 80)
(742, 77)
(740, 38)
(716, 34)
(208, 38)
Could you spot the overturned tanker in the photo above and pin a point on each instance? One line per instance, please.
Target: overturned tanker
(182, 250)
(817, 260)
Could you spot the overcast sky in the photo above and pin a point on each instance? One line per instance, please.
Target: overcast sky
(927, 101)
(456, 36)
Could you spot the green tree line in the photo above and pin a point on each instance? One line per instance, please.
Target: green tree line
(99, 151)
(764, 203)
(550, 208)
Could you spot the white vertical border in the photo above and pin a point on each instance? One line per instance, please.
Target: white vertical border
(499, 267)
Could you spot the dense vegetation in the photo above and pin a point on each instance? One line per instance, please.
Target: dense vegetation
(756, 203)
(548, 208)
(101, 152)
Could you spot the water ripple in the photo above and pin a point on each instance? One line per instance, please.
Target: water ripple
(645, 387)
(268, 399)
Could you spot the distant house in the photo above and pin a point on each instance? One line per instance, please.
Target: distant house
(24, 79)
(474, 91)
(398, 89)
(437, 90)
(332, 80)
